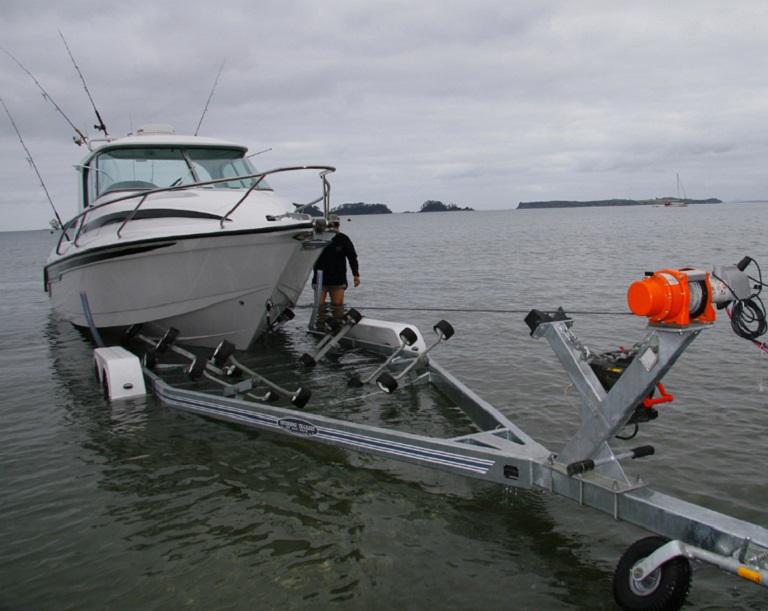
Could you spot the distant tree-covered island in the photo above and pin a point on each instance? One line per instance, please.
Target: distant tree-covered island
(362, 208)
(350, 209)
(436, 206)
(615, 202)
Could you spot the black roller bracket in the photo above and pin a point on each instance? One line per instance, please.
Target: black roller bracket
(537, 317)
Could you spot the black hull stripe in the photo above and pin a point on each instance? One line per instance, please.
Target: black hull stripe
(105, 253)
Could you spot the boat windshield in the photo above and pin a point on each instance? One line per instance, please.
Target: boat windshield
(142, 168)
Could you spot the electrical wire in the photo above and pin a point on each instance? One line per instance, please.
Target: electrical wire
(748, 316)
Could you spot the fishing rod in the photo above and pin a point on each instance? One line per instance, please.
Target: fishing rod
(32, 163)
(209, 97)
(100, 126)
(82, 139)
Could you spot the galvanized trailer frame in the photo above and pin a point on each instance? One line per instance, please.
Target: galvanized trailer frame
(585, 470)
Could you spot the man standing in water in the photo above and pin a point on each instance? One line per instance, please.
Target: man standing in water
(333, 263)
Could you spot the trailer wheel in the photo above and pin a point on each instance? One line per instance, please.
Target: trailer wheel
(664, 589)
(105, 384)
(408, 336)
(386, 382)
(352, 316)
(332, 325)
(301, 397)
(222, 353)
(130, 333)
(196, 368)
(167, 340)
(443, 329)
(307, 360)
(355, 382)
(149, 360)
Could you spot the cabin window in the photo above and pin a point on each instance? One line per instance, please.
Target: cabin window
(143, 168)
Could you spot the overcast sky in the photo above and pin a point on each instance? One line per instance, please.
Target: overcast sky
(481, 104)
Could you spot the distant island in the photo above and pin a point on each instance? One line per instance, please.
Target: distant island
(615, 202)
(350, 209)
(362, 208)
(435, 206)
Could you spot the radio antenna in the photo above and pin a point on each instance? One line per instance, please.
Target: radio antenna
(210, 96)
(81, 138)
(100, 126)
(34, 167)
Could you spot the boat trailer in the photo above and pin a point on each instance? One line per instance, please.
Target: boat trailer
(655, 572)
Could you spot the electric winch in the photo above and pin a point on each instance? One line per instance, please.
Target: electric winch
(678, 298)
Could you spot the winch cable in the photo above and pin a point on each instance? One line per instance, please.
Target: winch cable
(473, 310)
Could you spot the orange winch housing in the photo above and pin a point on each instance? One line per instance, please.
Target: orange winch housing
(673, 297)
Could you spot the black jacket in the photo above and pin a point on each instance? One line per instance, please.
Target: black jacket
(333, 261)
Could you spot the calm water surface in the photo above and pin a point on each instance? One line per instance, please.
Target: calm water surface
(135, 506)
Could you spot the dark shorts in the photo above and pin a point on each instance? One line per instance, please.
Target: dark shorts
(331, 287)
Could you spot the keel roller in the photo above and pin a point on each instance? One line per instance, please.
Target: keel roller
(224, 355)
(331, 340)
(221, 368)
(408, 338)
(388, 382)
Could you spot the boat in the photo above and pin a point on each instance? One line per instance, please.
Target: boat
(182, 231)
(677, 202)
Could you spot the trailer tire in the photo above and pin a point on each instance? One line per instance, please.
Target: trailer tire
(664, 589)
(386, 382)
(222, 353)
(352, 317)
(149, 360)
(196, 368)
(443, 329)
(408, 336)
(301, 397)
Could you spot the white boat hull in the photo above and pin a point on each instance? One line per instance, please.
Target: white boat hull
(211, 287)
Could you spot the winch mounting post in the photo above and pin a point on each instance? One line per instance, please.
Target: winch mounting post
(604, 414)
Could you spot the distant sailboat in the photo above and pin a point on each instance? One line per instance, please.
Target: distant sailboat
(678, 203)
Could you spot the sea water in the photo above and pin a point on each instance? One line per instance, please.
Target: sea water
(137, 506)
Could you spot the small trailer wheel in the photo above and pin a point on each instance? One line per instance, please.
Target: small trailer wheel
(196, 369)
(443, 329)
(352, 316)
(149, 360)
(222, 353)
(130, 333)
(167, 340)
(271, 396)
(301, 397)
(355, 382)
(386, 382)
(666, 588)
(233, 372)
(332, 325)
(105, 384)
(307, 360)
(408, 336)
